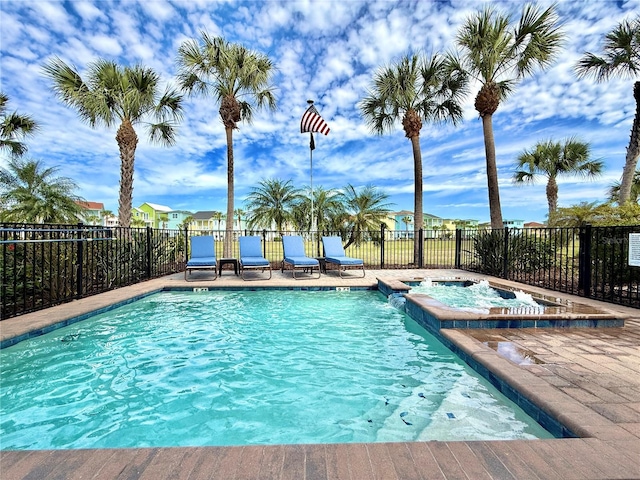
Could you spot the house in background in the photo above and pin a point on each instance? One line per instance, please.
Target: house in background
(534, 225)
(176, 218)
(157, 215)
(138, 217)
(402, 224)
(111, 221)
(91, 212)
(208, 220)
(513, 223)
(432, 226)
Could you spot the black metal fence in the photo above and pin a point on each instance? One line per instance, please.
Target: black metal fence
(46, 265)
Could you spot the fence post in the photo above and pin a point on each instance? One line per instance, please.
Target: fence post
(186, 243)
(584, 260)
(458, 247)
(149, 252)
(264, 242)
(79, 261)
(420, 248)
(382, 227)
(505, 257)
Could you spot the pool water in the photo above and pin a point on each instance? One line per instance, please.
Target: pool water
(477, 297)
(242, 368)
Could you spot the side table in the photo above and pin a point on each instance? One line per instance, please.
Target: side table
(227, 261)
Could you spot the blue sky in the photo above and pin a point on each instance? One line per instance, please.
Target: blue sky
(323, 50)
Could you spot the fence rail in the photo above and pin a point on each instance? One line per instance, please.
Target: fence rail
(46, 265)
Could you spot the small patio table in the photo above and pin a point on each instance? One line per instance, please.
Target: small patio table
(228, 261)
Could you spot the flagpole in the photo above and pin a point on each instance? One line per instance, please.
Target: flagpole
(313, 220)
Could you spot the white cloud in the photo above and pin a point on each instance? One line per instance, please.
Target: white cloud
(327, 51)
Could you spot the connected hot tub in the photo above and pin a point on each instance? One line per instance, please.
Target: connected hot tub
(536, 312)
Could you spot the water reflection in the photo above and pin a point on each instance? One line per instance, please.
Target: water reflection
(514, 353)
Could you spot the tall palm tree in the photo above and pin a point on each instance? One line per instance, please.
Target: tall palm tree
(498, 55)
(365, 210)
(272, 202)
(128, 96)
(621, 58)
(614, 190)
(552, 159)
(32, 193)
(414, 90)
(14, 128)
(236, 78)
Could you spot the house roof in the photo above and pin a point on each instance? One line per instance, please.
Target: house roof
(91, 205)
(204, 215)
(159, 208)
(402, 212)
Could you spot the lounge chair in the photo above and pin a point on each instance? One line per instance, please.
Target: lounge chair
(334, 255)
(295, 257)
(203, 255)
(251, 257)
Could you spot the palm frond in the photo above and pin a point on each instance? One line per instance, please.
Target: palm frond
(620, 56)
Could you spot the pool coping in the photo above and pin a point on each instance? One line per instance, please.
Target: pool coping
(575, 415)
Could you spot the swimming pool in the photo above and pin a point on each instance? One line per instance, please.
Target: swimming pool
(239, 368)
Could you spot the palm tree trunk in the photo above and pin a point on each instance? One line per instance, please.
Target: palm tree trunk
(633, 152)
(127, 142)
(418, 217)
(228, 237)
(552, 195)
(492, 172)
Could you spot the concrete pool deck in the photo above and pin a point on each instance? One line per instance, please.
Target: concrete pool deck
(587, 378)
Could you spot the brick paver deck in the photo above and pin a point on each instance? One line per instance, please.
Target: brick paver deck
(588, 378)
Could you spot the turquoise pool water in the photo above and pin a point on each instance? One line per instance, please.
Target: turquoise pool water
(239, 368)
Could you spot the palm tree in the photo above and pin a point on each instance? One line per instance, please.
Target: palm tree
(414, 90)
(129, 96)
(239, 213)
(621, 58)
(584, 213)
(14, 128)
(31, 193)
(217, 216)
(365, 211)
(499, 55)
(272, 202)
(235, 77)
(614, 190)
(552, 159)
(407, 220)
(327, 208)
(186, 222)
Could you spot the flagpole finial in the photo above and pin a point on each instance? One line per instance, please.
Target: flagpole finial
(310, 102)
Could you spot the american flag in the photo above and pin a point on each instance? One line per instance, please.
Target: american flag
(313, 122)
